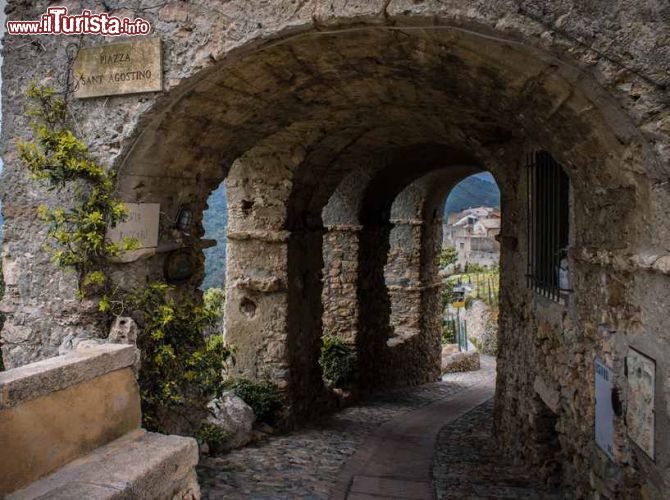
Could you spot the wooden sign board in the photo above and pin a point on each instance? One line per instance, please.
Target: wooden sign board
(141, 225)
(119, 68)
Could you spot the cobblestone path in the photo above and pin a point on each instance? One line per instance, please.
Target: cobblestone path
(305, 464)
(468, 465)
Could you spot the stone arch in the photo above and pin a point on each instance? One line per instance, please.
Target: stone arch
(314, 93)
(331, 95)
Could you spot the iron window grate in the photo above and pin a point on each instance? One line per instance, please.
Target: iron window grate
(548, 225)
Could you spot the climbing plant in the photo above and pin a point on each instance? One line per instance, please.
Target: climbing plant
(181, 370)
(60, 159)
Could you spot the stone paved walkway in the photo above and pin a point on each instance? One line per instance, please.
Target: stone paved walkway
(323, 460)
(468, 464)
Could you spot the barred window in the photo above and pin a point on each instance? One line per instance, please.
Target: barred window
(548, 226)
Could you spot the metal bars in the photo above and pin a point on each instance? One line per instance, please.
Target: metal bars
(548, 218)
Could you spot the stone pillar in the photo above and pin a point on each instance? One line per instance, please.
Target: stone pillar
(257, 303)
(273, 294)
(386, 360)
(403, 277)
(374, 310)
(414, 292)
(431, 296)
(256, 321)
(339, 295)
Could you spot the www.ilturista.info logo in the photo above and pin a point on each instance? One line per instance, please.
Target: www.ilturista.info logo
(56, 21)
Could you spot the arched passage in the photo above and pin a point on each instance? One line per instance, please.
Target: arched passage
(289, 122)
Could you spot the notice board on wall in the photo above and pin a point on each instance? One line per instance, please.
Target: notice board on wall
(640, 418)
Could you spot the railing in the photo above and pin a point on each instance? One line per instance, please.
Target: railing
(458, 328)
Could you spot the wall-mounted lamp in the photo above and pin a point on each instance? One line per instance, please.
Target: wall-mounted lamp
(184, 218)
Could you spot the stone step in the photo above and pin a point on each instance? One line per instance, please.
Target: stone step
(140, 464)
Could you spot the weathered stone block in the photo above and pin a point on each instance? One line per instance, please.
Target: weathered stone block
(138, 465)
(43, 433)
(235, 417)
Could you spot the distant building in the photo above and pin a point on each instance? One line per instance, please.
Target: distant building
(472, 232)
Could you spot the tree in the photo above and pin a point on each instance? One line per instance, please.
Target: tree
(448, 256)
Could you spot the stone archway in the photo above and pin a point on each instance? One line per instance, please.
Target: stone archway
(286, 116)
(321, 105)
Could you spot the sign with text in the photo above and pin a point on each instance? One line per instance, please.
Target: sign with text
(119, 68)
(141, 225)
(604, 409)
(641, 379)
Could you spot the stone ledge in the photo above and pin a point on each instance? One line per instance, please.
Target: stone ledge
(343, 228)
(268, 236)
(413, 288)
(138, 465)
(407, 222)
(623, 261)
(54, 374)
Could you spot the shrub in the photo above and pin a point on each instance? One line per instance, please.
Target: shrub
(338, 361)
(215, 300)
(448, 256)
(180, 368)
(215, 436)
(472, 267)
(262, 395)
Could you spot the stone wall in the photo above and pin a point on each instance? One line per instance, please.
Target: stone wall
(288, 99)
(56, 410)
(482, 325)
(71, 429)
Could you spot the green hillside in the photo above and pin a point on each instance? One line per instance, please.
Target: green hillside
(477, 190)
(215, 220)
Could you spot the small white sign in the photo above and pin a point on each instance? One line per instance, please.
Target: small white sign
(604, 409)
(641, 377)
(141, 225)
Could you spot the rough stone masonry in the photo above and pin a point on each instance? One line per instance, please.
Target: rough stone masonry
(320, 115)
